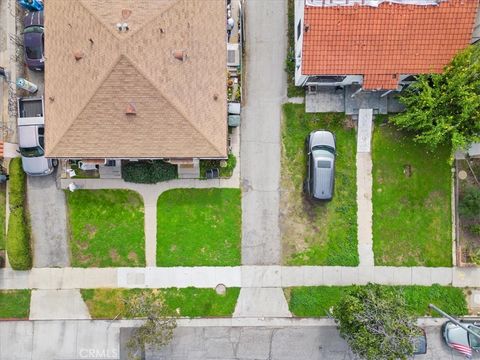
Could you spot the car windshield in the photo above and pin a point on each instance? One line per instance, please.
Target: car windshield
(33, 52)
(323, 147)
(474, 341)
(33, 29)
(32, 151)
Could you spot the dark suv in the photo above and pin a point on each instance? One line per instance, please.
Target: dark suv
(33, 39)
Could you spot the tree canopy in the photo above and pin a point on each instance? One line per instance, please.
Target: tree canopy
(445, 108)
(375, 322)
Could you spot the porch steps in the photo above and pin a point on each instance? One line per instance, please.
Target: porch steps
(189, 171)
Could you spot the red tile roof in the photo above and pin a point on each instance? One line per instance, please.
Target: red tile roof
(381, 43)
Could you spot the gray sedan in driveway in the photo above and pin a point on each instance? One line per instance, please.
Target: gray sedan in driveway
(321, 150)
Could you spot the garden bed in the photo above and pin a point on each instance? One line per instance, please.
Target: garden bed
(189, 302)
(468, 211)
(106, 228)
(318, 233)
(412, 218)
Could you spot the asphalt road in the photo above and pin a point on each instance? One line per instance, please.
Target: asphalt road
(86, 339)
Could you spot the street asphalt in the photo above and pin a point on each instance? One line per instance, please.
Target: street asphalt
(86, 339)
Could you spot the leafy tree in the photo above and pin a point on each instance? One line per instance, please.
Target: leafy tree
(375, 322)
(157, 330)
(445, 108)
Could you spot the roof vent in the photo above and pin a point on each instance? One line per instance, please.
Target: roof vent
(78, 55)
(126, 13)
(131, 109)
(122, 27)
(180, 55)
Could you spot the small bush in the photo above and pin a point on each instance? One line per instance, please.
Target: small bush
(474, 229)
(16, 186)
(469, 206)
(18, 240)
(148, 172)
(225, 172)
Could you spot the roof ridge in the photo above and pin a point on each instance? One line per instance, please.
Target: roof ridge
(99, 84)
(172, 103)
(132, 31)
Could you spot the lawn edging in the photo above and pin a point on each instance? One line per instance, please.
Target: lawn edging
(18, 234)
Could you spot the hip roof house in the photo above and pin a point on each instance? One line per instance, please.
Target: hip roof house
(378, 44)
(135, 79)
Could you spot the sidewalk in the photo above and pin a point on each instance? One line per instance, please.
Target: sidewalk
(239, 276)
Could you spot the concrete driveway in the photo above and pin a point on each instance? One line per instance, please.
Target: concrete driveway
(260, 143)
(48, 216)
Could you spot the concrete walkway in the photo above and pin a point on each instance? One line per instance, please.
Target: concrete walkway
(364, 187)
(57, 305)
(239, 276)
(260, 143)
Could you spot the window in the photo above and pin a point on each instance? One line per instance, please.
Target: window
(299, 29)
(326, 79)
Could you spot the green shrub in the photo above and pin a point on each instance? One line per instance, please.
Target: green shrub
(474, 229)
(225, 172)
(469, 206)
(18, 240)
(148, 172)
(16, 186)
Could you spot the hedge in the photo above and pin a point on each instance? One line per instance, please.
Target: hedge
(225, 172)
(18, 234)
(148, 172)
(16, 186)
(18, 241)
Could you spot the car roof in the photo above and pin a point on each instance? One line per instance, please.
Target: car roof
(28, 136)
(323, 177)
(33, 18)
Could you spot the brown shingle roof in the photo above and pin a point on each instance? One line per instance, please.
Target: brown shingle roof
(176, 113)
(385, 41)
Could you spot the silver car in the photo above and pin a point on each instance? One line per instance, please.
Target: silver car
(457, 338)
(321, 151)
(31, 142)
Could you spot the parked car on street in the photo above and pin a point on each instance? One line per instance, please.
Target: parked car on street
(33, 40)
(31, 137)
(459, 339)
(321, 150)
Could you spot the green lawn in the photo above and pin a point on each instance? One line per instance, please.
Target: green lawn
(411, 201)
(14, 304)
(106, 228)
(315, 301)
(3, 204)
(316, 233)
(189, 302)
(199, 227)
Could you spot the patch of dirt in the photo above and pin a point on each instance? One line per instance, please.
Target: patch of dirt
(298, 218)
(114, 255)
(349, 123)
(433, 199)
(85, 259)
(83, 245)
(407, 170)
(173, 248)
(91, 230)
(132, 256)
